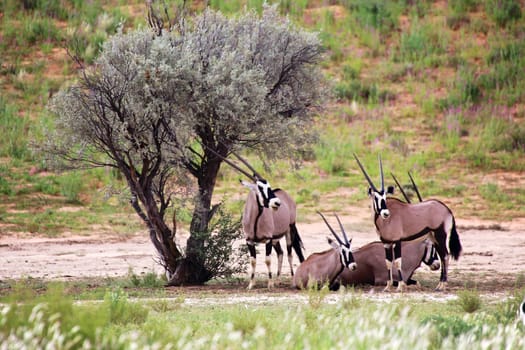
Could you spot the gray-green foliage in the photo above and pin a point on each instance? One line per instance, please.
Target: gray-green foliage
(221, 75)
(151, 101)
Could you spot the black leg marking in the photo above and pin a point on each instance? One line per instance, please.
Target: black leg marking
(278, 249)
(297, 243)
(388, 253)
(269, 248)
(397, 255)
(251, 249)
(441, 248)
(397, 250)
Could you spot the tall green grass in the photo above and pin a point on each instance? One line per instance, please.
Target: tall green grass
(13, 142)
(317, 321)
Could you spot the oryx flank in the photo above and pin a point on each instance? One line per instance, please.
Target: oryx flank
(325, 267)
(269, 214)
(397, 221)
(371, 269)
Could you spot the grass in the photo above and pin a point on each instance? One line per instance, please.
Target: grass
(314, 318)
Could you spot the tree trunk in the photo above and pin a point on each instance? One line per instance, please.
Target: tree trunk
(191, 269)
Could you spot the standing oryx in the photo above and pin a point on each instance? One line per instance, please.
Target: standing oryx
(397, 221)
(269, 214)
(325, 267)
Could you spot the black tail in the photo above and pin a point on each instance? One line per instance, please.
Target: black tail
(453, 243)
(297, 243)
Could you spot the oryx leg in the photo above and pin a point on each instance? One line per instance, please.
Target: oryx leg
(279, 251)
(398, 265)
(440, 238)
(289, 245)
(253, 254)
(388, 261)
(268, 261)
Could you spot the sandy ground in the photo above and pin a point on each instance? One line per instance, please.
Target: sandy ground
(492, 251)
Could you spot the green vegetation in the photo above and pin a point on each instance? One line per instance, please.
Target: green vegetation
(315, 319)
(437, 90)
(464, 118)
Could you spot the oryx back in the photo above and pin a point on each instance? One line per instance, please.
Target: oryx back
(412, 221)
(371, 268)
(318, 268)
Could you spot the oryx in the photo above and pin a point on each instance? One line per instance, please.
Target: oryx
(269, 214)
(371, 269)
(325, 267)
(397, 221)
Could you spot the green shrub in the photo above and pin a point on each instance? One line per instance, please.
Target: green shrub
(13, 142)
(38, 29)
(121, 311)
(421, 43)
(469, 300)
(465, 89)
(51, 8)
(378, 14)
(503, 12)
(71, 185)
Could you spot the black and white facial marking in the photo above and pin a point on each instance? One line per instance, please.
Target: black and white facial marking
(266, 195)
(430, 257)
(379, 201)
(347, 257)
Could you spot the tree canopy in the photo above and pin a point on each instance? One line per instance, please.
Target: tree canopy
(158, 107)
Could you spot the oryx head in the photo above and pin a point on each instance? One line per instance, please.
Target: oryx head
(265, 195)
(431, 258)
(342, 245)
(378, 195)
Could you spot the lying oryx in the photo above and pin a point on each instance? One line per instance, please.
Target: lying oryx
(325, 267)
(269, 214)
(397, 221)
(371, 269)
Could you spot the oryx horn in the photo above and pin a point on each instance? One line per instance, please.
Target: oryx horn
(342, 229)
(381, 171)
(415, 187)
(365, 173)
(232, 164)
(331, 229)
(400, 188)
(248, 165)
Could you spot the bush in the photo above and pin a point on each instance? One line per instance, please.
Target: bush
(469, 300)
(503, 11)
(220, 257)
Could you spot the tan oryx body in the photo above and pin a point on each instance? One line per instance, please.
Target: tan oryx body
(324, 268)
(268, 225)
(371, 268)
(268, 216)
(397, 221)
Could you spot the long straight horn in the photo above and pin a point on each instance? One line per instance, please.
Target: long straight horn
(230, 163)
(247, 164)
(415, 187)
(382, 176)
(365, 173)
(401, 188)
(342, 229)
(331, 229)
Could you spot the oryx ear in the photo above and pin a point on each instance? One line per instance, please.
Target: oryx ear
(250, 185)
(369, 191)
(332, 243)
(390, 190)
